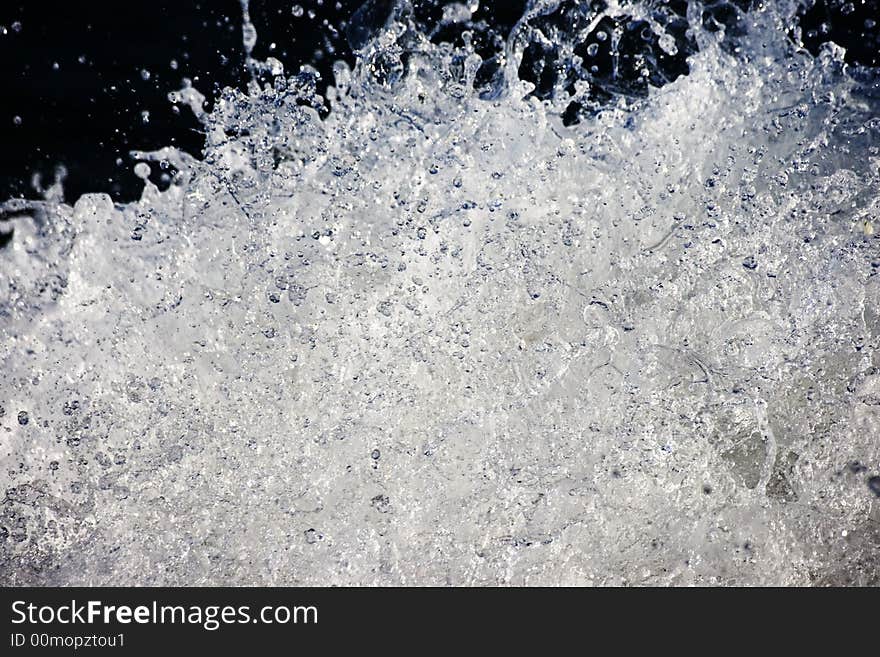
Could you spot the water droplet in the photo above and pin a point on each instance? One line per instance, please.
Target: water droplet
(249, 36)
(142, 170)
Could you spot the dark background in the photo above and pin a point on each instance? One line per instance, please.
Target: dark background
(494, 620)
(74, 74)
(76, 77)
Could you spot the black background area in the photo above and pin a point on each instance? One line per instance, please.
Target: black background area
(74, 91)
(77, 78)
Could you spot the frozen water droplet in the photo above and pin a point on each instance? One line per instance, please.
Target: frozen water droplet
(142, 170)
(249, 36)
(275, 66)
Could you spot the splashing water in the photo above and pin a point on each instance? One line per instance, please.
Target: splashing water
(595, 302)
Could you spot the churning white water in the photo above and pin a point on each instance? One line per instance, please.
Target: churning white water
(445, 335)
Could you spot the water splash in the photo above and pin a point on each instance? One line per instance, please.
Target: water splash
(485, 312)
(248, 31)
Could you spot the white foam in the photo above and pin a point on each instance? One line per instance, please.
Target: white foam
(640, 350)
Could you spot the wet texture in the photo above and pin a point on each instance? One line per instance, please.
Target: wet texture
(482, 312)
